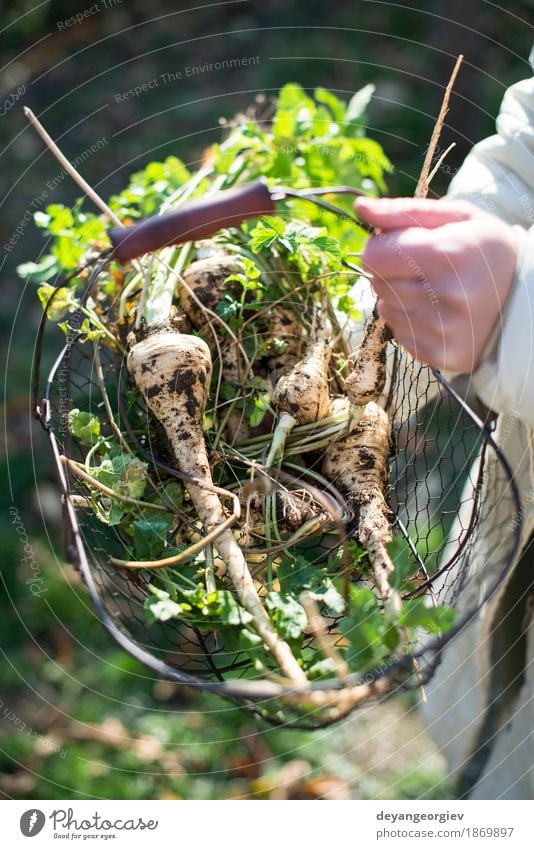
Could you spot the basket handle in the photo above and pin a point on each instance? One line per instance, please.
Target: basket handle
(195, 220)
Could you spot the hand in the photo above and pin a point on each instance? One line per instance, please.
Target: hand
(442, 272)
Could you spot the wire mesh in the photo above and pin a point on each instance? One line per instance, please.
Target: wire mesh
(447, 479)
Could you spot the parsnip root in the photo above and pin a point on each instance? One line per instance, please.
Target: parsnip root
(367, 378)
(283, 324)
(358, 465)
(301, 396)
(172, 371)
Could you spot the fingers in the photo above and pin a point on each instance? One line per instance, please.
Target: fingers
(427, 329)
(400, 253)
(422, 337)
(397, 213)
(404, 303)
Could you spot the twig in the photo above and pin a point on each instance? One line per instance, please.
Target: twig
(77, 470)
(417, 670)
(69, 168)
(193, 549)
(424, 179)
(438, 164)
(325, 641)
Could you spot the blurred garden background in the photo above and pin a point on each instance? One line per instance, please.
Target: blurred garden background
(78, 717)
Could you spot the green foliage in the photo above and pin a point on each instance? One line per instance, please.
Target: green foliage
(149, 188)
(371, 634)
(193, 603)
(125, 475)
(419, 614)
(73, 231)
(303, 253)
(288, 616)
(149, 537)
(63, 304)
(84, 426)
(39, 272)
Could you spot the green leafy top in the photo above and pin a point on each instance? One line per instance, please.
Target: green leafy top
(294, 258)
(312, 141)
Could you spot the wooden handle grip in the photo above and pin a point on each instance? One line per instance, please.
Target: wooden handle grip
(195, 220)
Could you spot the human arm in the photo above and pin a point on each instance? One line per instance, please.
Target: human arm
(464, 300)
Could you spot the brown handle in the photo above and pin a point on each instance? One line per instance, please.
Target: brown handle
(195, 220)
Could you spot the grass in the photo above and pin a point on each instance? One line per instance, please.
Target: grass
(98, 725)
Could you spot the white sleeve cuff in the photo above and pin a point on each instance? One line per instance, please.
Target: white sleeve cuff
(504, 381)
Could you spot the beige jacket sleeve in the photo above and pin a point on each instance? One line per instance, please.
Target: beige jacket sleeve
(498, 176)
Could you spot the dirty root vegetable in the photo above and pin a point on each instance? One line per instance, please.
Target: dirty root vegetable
(206, 279)
(301, 396)
(358, 465)
(284, 326)
(237, 427)
(367, 378)
(205, 288)
(172, 371)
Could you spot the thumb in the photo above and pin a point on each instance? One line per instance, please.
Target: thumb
(398, 213)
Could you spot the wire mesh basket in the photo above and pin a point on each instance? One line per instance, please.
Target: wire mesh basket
(447, 478)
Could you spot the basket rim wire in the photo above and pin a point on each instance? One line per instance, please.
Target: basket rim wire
(349, 693)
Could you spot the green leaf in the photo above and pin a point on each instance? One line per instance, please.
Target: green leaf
(57, 219)
(39, 272)
(266, 232)
(289, 617)
(228, 307)
(336, 106)
(224, 607)
(63, 304)
(296, 574)
(89, 332)
(371, 636)
(174, 493)
(257, 408)
(149, 538)
(356, 108)
(294, 112)
(160, 607)
(328, 595)
(416, 614)
(84, 426)
(123, 473)
(249, 278)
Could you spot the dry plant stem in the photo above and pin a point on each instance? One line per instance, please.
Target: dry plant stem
(417, 669)
(335, 704)
(189, 552)
(172, 371)
(440, 162)
(78, 470)
(309, 528)
(325, 641)
(421, 190)
(72, 172)
(69, 168)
